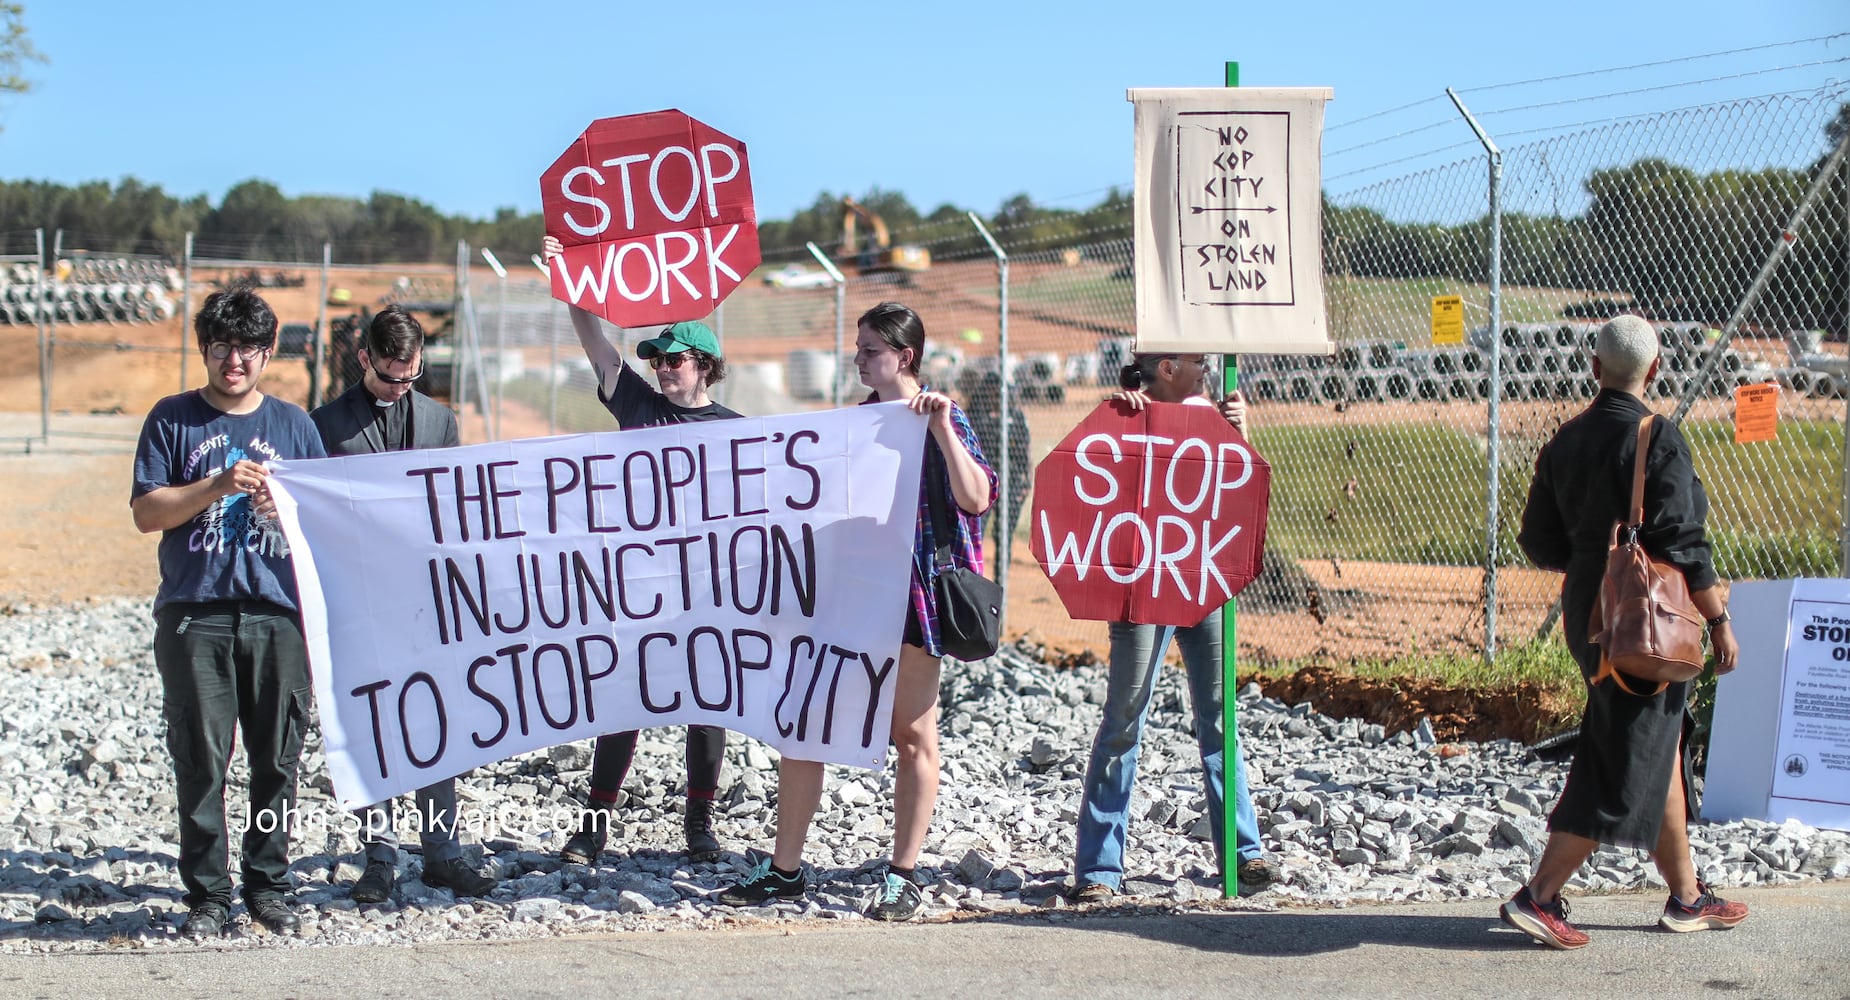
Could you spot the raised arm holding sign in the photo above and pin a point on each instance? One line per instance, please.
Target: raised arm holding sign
(649, 221)
(687, 363)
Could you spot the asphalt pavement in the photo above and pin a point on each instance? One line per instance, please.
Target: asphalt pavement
(1796, 944)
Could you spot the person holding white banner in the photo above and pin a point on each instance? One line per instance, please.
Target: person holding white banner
(228, 638)
(380, 413)
(889, 345)
(1137, 653)
(687, 361)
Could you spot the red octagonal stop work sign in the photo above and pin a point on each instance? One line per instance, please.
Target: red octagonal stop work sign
(656, 215)
(1156, 517)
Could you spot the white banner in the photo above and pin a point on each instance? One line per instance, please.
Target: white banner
(465, 605)
(1229, 222)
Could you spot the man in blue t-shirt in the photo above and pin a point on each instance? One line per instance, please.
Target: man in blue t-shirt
(228, 634)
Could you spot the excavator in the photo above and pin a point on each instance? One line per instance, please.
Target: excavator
(879, 255)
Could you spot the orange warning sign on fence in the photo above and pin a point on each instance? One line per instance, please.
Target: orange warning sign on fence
(1756, 412)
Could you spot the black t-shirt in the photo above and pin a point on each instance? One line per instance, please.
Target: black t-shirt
(636, 403)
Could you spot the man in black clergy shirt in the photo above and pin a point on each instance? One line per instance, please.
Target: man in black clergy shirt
(381, 413)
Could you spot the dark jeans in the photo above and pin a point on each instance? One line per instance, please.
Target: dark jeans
(223, 665)
(706, 752)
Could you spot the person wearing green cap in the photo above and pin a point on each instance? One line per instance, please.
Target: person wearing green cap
(686, 359)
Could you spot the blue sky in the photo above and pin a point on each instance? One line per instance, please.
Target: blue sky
(464, 103)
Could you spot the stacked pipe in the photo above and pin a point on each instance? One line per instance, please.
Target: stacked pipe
(1541, 361)
(91, 290)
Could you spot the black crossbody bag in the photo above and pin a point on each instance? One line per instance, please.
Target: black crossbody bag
(969, 604)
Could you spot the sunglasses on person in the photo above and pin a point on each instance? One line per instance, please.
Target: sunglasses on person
(219, 350)
(675, 360)
(392, 380)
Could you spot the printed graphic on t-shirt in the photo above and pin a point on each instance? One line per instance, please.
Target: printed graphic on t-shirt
(233, 519)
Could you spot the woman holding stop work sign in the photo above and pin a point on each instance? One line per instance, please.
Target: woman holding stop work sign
(888, 347)
(1137, 651)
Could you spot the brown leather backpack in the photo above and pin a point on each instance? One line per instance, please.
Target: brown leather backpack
(1644, 622)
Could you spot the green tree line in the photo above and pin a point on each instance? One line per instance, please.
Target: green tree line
(1676, 243)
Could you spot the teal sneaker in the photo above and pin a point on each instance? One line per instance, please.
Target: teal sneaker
(898, 898)
(762, 884)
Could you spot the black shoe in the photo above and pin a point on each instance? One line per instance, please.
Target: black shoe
(1259, 872)
(701, 844)
(207, 920)
(897, 898)
(274, 914)
(1092, 892)
(763, 884)
(375, 883)
(585, 845)
(459, 878)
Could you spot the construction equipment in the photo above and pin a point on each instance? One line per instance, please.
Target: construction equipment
(879, 254)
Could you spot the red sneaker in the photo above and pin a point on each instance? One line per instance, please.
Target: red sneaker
(1708, 913)
(1545, 922)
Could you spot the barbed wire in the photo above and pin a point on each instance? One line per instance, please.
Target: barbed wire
(1654, 89)
(1652, 65)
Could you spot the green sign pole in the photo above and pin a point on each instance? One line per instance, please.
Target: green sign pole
(1229, 673)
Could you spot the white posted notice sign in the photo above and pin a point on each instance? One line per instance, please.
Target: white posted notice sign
(1812, 757)
(1780, 746)
(469, 604)
(1229, 223)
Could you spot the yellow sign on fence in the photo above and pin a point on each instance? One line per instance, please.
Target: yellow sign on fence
(1448, 319)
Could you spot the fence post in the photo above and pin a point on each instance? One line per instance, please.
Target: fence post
(552, 366)
(49, 306)
(459, 369)
(44, 346)
(1843, 465)
(500, 335)
(841, 315)
(317, 352)
(1712, 362)
(186, 304)
(1496, 375)
(1005, 540)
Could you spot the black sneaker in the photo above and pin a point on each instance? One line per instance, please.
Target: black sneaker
(585, 845)
(274, 914)
(375, 883)
(207, 920)
(898, 898)
(453, 874)
(701, 844)
(763, 884)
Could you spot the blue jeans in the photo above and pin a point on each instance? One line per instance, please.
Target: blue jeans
(1136, 654)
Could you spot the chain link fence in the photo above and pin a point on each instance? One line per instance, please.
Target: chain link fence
(1382, 522)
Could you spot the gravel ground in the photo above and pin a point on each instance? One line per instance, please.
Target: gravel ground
(87, 834)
